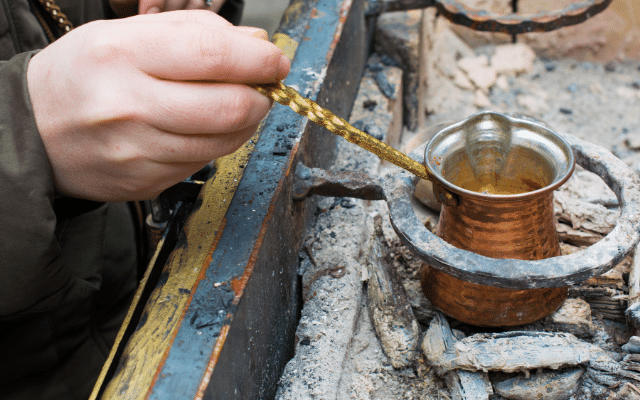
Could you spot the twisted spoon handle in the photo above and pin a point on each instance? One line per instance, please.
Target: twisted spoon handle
(308, 108)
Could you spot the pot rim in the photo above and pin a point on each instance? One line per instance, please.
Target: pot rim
(432, 160)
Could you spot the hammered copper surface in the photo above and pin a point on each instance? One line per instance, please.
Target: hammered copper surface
(504, 172)
(522, 230)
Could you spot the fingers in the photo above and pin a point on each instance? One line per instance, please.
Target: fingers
(180, 50)
(150, 6)
(142, 181)
(202, 108)
(167, 147)
(174, 148)
(188, 16)
(153, 163)
(148, 100)
(156, 6)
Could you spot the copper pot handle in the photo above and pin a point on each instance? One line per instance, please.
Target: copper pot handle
(520, 274)
(397, 187)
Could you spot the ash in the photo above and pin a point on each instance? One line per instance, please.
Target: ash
(338, 354)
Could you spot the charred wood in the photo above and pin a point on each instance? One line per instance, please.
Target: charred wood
(546, 385)
(583, 215)
(633, 346)
(464, 385)
(574, 317)
(395, 325)
(633, 310)
(626, 392)
(518, 351)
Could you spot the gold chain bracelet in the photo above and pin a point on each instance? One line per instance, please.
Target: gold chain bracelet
(58, 16)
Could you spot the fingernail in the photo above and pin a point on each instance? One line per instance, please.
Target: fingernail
(255, 32)
(153, 10)
(261, 34)
(283, 67)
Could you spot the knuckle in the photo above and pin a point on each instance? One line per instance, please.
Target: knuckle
(238, 110)
(213, 48)
(272, 61)
(108, 105)
(104, 49)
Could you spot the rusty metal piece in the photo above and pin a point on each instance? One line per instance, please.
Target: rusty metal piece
(155, 230)
(520, 274)
(397, 189)
(310, 181)
(162, 206)
(480, 20)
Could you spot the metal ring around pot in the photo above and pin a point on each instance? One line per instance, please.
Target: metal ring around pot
(520, 274)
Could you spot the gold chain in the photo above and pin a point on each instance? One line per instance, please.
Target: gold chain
(58, 16)
(288, 96)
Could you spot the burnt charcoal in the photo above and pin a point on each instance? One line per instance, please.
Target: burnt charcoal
(370, 104)
(347, 202)
(565, 111)
(385, 86)
(369, 129)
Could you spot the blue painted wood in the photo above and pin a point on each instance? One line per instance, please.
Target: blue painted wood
(264, 221)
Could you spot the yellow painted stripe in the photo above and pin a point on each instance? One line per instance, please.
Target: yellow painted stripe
(286, 44)
(125, 324)
(148, 347)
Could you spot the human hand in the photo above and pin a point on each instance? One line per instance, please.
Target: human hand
(127, 108)
(127, 8)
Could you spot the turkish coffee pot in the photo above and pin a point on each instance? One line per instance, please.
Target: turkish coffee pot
(503, 172)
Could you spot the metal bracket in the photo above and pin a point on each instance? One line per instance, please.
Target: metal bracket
(310, 181)
(480, 20)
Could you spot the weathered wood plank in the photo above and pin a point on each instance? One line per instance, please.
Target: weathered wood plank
(633, 307)
(395, 325)
(464, 385)
(584, 215)
(517, 351)
(544, 385)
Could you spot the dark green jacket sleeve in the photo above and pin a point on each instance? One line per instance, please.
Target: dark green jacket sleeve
(51, 250)
(32, 274)
(231, 10)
